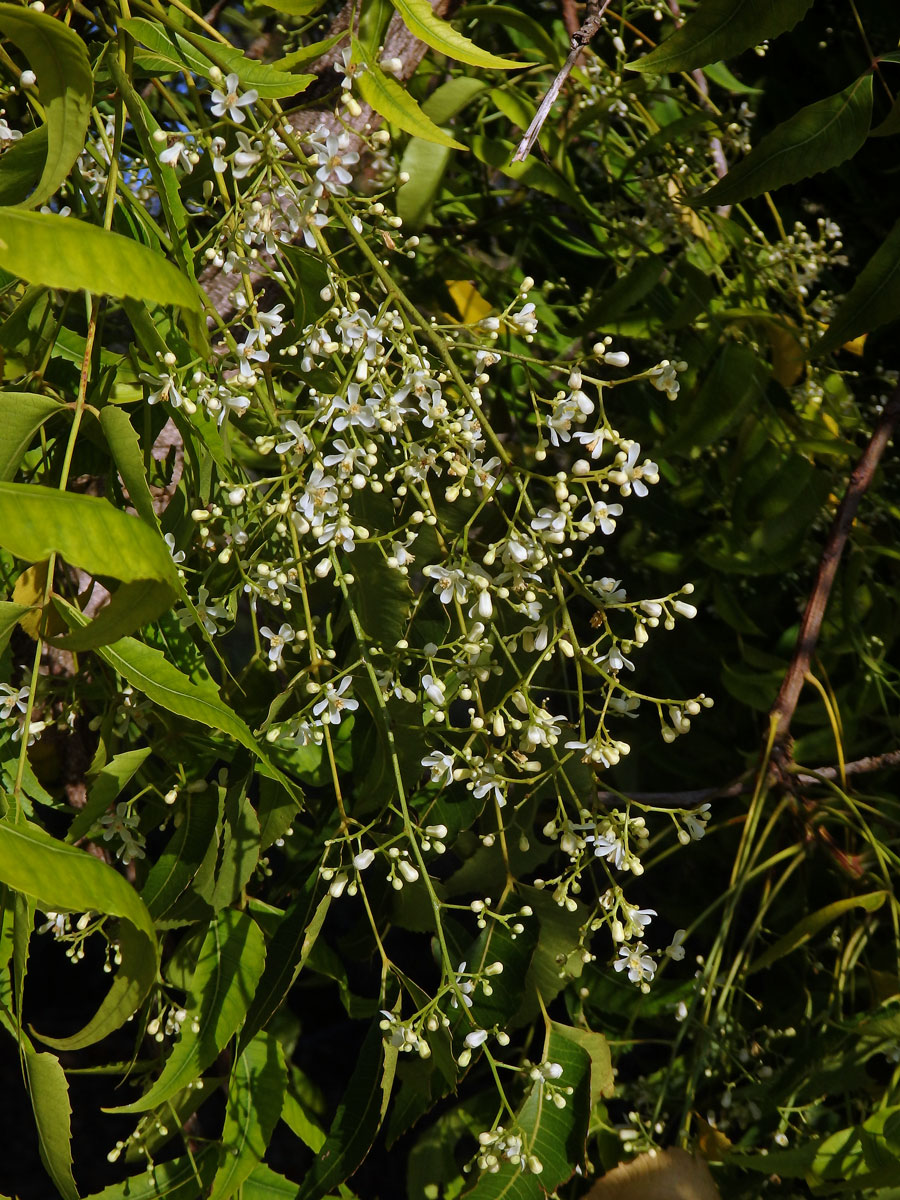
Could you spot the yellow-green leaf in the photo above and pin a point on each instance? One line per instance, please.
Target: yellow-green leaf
(61, 252)
(49, 1092)
(61, 878)
(255, 1096)
(21, 415)
(809, 926)
(59, 59)
(229, 965)
(419, 19)
(395, 104)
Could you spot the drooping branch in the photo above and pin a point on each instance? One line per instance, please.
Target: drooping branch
(782, 710)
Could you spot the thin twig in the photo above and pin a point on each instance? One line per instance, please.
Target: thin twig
(862, 766)
(783, 709)
(592, 22)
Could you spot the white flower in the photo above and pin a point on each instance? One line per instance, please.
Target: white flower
(271, 321)
(165, 390)
(246, 156)
(675, 950)
(332, 707)
(277, 641)
(629, 477)
(608, 845)
(351, 411)
(525, 320)
(434, 690)
(440, 765)
(12, 700)
(637, 919)
(296, 437)
(7, 134)
(178, 151)
(448, 583)
(231, 100)
(247, 354)
(466, 986)
(476, 1038)
(592, 441)
(177, 555)
(695, 822)
(640, 965)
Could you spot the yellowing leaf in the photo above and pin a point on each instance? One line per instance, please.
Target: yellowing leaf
(470, 304)
(856, 345)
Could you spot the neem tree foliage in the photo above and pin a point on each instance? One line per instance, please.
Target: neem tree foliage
(353, 521)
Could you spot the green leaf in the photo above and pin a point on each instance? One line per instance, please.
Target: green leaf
(265, 1184)
(357, 1119)
(288, 951)
(394, 102)
(59, 59)
(21, 416)
(151, 673)
(597, 1048)
(255, 1097)
(181, 859)
(293, 8)
(49, 1092)
(810, 926)
(511, 18)
(126, 450)
(722, 29)
(200, 54)
(105, 788)
(873, 300)
(179, 1179)
(818, 137)
(61, 878)
(10, 615)
(441, 36)
(229, 966)
(90, 533)
(554, 1136)
(21, 166)
(61, 252)
(302, 1124)
(723, 78)
(734, 387)
(425, 163)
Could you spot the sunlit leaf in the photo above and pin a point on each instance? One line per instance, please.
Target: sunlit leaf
(229, 965)
(810, 926)
(49, 1091)
(255, 1095)
(21, 415)
(61, 878)
(419, 18)
(61, 252)
(60, 61)
(394, 102)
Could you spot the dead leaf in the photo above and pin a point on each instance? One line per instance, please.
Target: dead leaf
(659, 1175)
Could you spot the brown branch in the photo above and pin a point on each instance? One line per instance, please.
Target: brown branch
(782, 710)
(580, 38)
(570, 17)
(862, 766)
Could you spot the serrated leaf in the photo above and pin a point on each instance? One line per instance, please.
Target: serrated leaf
(61, 878)
(105, 788)
(394, 102)
(554, 1136)
(183, 855)
(288, 951)
(873, 300)
(201, 54)
(229, 966)
(722, 29)
(21, 416)
(255, 1097)
(126, 451)
(59, 59)
(419, 19)
(597, 1048)
(810, 926)
(49, 1090)
(357, 1119)
(818, 137)
(815, 139)
(90, 533)
(178, 1179)
(62, 252)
